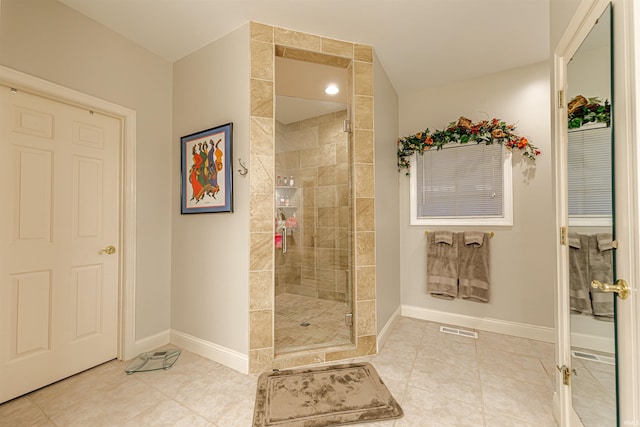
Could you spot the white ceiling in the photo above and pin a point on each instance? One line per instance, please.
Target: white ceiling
(420, 43)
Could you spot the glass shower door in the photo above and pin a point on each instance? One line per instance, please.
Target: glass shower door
(313, 216)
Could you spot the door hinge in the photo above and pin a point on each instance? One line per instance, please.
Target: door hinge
(348, 319)
(561, 99)
(346, 126)
(563, 235)
(566, 374)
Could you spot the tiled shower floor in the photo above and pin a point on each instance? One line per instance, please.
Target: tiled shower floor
(326, 323)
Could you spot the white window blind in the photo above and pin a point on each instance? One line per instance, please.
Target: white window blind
(589, 174)
(462, 184)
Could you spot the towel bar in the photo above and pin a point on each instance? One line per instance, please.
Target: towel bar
(491, 233)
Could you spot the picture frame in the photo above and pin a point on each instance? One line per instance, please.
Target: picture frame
(206, 171)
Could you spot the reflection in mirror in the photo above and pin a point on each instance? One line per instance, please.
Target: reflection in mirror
(313, 285)
(591, 254)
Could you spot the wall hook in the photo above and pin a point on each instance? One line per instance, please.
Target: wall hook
(244, 171)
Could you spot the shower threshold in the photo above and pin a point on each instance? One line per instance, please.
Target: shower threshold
(306, 350)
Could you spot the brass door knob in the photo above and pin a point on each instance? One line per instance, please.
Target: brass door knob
(621, 287)
(109, 250)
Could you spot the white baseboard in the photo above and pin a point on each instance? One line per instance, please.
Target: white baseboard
(592, 342)
(150, 343)
(522, 330)
(217, 353)
(386, 330)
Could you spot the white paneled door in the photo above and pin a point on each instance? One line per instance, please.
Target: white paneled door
(59, 240)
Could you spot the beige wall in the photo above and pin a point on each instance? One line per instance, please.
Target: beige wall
(210, 252)
(387, 214)
(523, 256)
(48, 40)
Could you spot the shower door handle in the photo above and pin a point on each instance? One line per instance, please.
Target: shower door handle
(283, 230)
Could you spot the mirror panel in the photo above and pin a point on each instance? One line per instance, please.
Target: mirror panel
(591, 254)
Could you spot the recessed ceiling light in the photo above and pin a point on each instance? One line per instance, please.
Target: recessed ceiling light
(331, 89)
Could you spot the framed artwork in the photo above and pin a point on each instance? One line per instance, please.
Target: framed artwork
(206, 178)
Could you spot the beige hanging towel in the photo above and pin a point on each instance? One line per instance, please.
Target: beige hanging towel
(442, 264)
(601, 268)
(579, 278)
(474, 270)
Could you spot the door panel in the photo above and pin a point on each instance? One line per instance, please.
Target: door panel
(58, 289)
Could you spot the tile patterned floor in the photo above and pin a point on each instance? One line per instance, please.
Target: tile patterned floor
(325, 318)
(440, 380)
(594, 392)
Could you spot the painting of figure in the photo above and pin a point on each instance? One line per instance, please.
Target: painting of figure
(206, 171)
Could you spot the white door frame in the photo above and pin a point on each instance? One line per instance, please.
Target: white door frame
(127, 274)
(627, 207)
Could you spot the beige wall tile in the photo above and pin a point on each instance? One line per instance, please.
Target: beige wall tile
(326, 197)
(326, 279)
(326, 258)
(327, 155)
(363, 53)
(309, 158)
(366, 279)
(363, 82)
(342, 152)
(327, 217)
(261, 207)
(326, 237)
(363, 140)
(285, 37)
(331, 133)
(326, 175)
(342, 238)
(261, 98)
(363, 112)
(342, 195)
(365, 180)
(262, 60)
(337, 47)
(262, 136)
(314, 57)
(261, 251)
(366, 345)
(260, 290)
(365, 248)
(261, 335)
(260, 360)
(261, 174)
(292, 161)
(365, 214)
(261, 32)
(366, 317)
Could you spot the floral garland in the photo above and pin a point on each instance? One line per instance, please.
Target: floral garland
(582, 111)
(464, 131)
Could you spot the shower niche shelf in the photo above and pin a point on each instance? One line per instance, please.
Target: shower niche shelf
(284, 194)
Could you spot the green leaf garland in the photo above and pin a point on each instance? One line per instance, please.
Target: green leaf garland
(464, 131)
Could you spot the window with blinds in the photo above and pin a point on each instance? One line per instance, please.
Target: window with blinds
(589, 175)
(463, 184)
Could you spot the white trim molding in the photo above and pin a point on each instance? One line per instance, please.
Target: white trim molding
(28, 83)
(225, 356)
(383, 336)
(522, 330)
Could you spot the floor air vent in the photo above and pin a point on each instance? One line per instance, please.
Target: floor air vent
(461, 332)
(593, 357)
